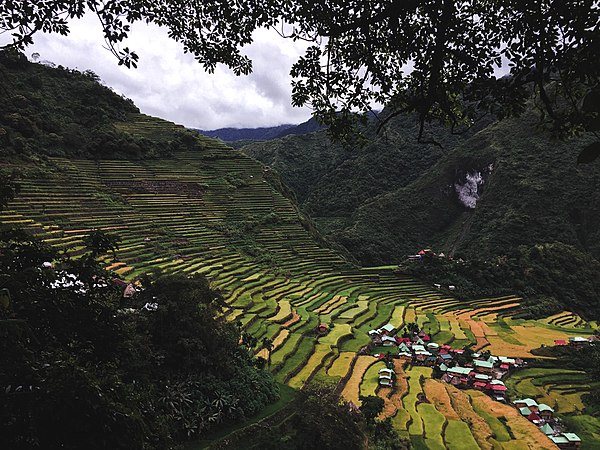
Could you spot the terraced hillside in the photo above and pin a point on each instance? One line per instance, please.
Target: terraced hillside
(217, 212)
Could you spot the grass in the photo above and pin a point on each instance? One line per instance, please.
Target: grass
(285, 311)
(370, 381)
(359, 340)
(321, 351)
(458, 436)
(351, 390)
(588, 429)
(499, 431)
(433, 422)
(296, 359)
(410, 400)
(339, 331)
(341, 365)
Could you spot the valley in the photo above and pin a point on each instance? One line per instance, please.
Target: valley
(216, 212)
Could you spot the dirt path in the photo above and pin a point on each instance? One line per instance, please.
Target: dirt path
(295, 318)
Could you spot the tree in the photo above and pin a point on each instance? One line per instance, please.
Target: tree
(8, 185)
(435, 58)
(100, 242)
(371, 407)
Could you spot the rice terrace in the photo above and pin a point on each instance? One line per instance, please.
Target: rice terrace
(215, 211)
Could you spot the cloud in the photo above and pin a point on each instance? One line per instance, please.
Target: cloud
(170, 84)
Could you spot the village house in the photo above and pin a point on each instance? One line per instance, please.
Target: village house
(496, 387)
(422, 355)
(483, 366)
(545, 412)
(578, 341)
(388, 341)
(323, 328)
(387, 330)
(528, 403)
(129, 289)
(386, 377)
(566, 441)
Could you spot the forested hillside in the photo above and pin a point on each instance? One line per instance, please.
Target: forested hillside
(331, 181)
(47, 111)
(520, 188)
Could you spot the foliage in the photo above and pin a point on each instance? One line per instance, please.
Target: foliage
(551, 278)
(537, 210)
(64, 112)
(82, 367)
(318, 418)
(435, 58)
(8, 187)
(371, 406)
(100, 242)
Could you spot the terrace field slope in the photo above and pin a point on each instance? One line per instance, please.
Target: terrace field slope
(209, 209)
(217, 212)
(508, 190)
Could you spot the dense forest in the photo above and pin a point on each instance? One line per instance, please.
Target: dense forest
(57, 111)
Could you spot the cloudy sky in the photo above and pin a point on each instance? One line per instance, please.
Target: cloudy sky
(172, 85)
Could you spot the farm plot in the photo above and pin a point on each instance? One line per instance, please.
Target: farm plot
(526, 434)
(560, 389)
(370, 381)
(316, 359)
(341, 365)
(167, 222)
(351, 390)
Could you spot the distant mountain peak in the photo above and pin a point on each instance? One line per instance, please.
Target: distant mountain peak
(262, 133)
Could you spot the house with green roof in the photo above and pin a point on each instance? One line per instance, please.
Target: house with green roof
(529, 402)
(460, 371)
(483, 366)
(525, 411)
(566, 441)
(403, 348)
(547, 429)
(545, 411)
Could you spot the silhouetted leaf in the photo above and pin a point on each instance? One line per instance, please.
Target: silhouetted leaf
(591, 102)
(589, 153)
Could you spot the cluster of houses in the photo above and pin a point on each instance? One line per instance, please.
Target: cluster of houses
(386, 377)
(542, 415)
(484, 372)
(577, 341)
(480, 371)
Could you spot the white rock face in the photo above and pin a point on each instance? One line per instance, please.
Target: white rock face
(468, 193)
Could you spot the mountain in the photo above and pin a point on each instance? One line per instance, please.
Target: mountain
(232, 279)
(497, 193)
(251, 134)
(332, 181)
(238, 137)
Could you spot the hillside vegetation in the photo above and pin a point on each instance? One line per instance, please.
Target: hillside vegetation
(56, 111)
(395, 196)
(247, 276)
